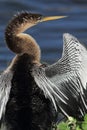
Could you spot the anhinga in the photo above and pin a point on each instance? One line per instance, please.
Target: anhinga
(31, 93)
(23, 105)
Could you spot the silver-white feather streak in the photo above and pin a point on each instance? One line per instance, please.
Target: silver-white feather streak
(5, 86)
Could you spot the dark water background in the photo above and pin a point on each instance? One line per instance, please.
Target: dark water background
(47, 34)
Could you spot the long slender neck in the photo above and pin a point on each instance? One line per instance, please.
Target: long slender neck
(19, 42)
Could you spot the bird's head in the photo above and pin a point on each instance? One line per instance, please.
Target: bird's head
(20, 42)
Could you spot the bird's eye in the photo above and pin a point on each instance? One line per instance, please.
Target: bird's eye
(39, 18)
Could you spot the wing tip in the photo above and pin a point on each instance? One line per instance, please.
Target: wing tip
(68, 37)
(66, 34)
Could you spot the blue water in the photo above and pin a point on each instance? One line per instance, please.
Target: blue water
(48, 34)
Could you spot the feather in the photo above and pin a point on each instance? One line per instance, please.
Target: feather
(64, 82)
(5, 86)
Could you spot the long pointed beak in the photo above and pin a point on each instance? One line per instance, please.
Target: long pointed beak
(51, 18)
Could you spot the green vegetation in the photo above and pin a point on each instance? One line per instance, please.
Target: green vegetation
(73, 124)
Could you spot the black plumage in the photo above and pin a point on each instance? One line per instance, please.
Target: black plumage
(27, 108)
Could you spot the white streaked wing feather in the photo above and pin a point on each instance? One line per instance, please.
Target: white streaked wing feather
(53, 92)
(77, 56)
(74, 60)
(5, 86)
(65, 73)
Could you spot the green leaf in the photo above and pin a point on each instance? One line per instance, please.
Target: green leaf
(84, 126)
(73, 124)
(85, 118)
(63, 126)
(78, 128)
(84, 123)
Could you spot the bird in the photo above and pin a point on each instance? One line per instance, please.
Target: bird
(23, 105)
(31, 93)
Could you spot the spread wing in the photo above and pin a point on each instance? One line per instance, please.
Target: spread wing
(5, 86)
(65, 81)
